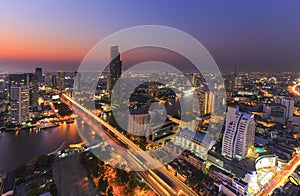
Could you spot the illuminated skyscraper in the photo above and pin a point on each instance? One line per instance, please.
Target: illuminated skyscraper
(232, 111)
(238, 135)
(48, 80)
(39, 75)
(32, 82)
(77, 78)
(27, 79)
(19, 104)
(54, 81)
(115, 66)
(198, 103)
(61, 80)
(209, 100)
(230, 82)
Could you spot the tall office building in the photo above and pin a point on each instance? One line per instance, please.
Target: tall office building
(48, 80)
(39, 75)
(288, 103)
(16, 80)
(108, 82)
(54, 81)
(232, 111)
(77, 78)
(19, 104)
(198, 103)
(238, 136)
(27, 79)
(209, 103)
(230, 82)
(32, 82)
(115, 66)
(61, 80)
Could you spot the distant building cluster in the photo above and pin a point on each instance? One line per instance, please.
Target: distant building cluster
(23, 96)
(260, 136)
(23, 92)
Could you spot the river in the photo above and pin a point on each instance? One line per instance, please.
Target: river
(16, 149)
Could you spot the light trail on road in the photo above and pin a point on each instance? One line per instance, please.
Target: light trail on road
(136, 153)
(294, 89)
(281, 177)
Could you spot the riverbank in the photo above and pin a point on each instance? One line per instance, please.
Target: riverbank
(17, 148)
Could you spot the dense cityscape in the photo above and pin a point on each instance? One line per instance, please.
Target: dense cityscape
(161, 98)
(256, 152)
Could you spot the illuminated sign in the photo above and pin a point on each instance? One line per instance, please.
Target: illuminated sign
(55, 97)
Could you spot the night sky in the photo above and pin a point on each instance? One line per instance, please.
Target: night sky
(256, 35)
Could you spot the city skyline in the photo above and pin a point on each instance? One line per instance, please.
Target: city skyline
(138, 98)
(256, 36)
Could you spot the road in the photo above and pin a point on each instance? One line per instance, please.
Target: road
(160, 179)
(294, 89)
(281, 177)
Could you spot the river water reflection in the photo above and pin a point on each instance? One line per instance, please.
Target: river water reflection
(16, 149)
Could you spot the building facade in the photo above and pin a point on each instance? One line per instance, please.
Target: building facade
(26, 79)
(61, 81)
(238, 136)
(198, 144)
(288, 103)
(19, 104)
(115, 66)
(39, 75)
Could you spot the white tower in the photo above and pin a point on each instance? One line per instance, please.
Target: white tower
(238, 135)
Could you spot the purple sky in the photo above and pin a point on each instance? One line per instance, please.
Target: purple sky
(255, 35)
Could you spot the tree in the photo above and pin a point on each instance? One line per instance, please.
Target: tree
(133, 181)
(102, 185)
(110, 191)
(123, 176)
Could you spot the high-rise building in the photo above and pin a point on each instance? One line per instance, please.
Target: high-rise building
(230, 82)
(48, 80)
(54, 82)
(115, 66)
(288, 103)
(19, 104)
(77, 78)
(238, 136)
(27, 79)
(209, 102)
(232, 111)
(16, 80)
(198, 103)
(39, 75)
(32, 82)
(108, 82)
(61, 80)
(204, 103)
